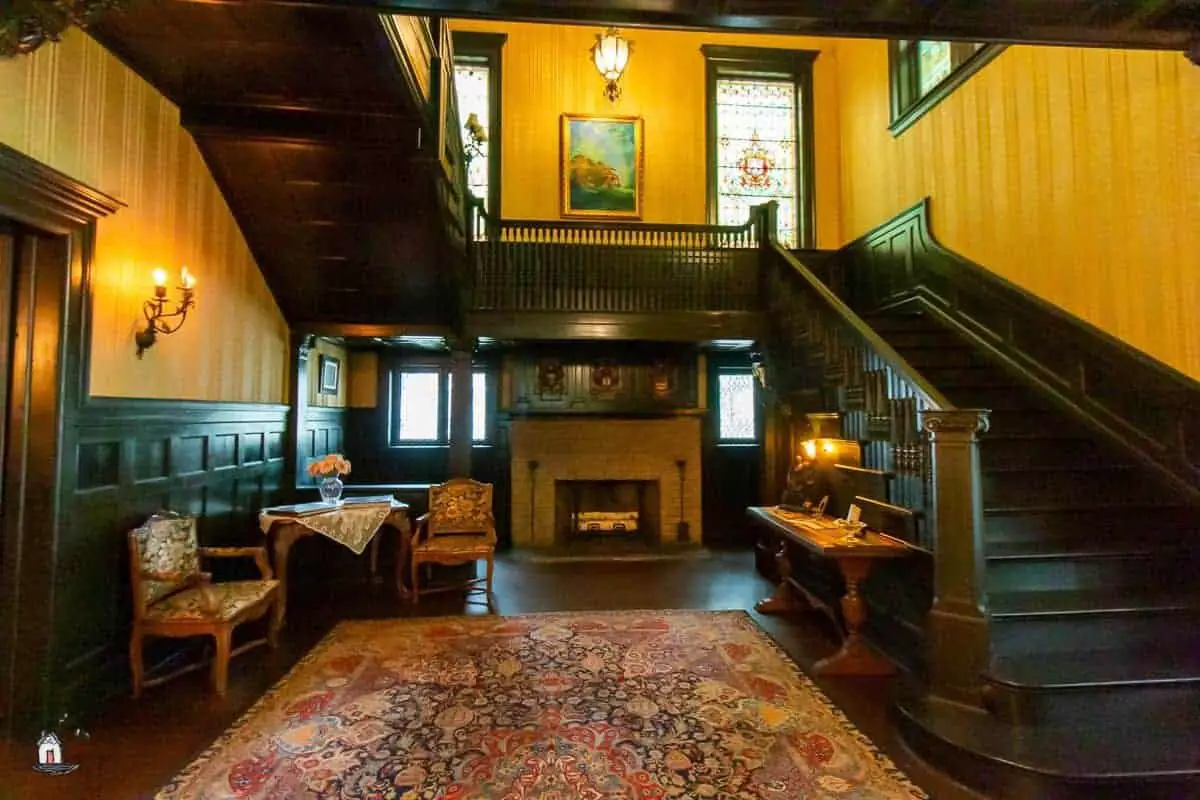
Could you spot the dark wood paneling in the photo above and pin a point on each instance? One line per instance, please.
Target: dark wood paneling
(141, 456)
(1115, 23)
(636, 368)
(669, 326)
(1142, 404)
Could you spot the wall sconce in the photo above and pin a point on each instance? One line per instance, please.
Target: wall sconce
(758, 368)
(610, 54)
(156, 312)
(476, 138)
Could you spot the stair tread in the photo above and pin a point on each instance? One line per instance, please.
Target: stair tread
(1135, 749)
(1086, 547)
(1082, 602)
(1080, 669)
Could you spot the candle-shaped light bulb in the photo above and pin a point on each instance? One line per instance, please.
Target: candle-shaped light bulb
(186, 279)
(160, 278)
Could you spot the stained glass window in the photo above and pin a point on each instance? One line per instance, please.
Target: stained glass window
(417, 407)
(923, 72)
(934, 65)
(472, 81)
(735, 406)
(757, 150)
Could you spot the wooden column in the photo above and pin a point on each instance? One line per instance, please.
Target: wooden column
(957, 639)
(459, 464)
(300, 345)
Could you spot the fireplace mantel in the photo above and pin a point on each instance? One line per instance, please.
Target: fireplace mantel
(598, 448)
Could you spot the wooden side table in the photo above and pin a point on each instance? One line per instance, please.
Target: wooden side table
(854, 559)
(286, 531)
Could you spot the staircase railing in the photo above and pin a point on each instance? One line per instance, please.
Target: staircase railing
(818, 341)
(1145, 405)
(908, 428)
(549, 265)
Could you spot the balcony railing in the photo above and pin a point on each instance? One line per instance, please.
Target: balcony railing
(534, 265)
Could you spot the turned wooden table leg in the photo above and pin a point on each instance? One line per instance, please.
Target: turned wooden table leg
(374, 558)
(285, 535)
(403, 553)
(785, 597)
(855, 657)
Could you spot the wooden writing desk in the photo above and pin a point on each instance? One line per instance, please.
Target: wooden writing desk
(854, 558)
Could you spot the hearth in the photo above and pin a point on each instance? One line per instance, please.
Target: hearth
(587, 510)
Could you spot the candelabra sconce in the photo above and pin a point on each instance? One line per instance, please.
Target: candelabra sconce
(158, 318)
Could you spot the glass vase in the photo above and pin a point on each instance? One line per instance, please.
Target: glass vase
(331, 491)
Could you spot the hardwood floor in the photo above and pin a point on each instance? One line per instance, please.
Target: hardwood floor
(135, 747)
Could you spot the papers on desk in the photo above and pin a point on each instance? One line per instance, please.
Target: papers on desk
(318, 507)
(298, 509)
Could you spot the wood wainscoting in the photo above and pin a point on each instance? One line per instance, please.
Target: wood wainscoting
(219, 461)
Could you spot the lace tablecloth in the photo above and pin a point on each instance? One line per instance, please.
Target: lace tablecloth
(352, 524)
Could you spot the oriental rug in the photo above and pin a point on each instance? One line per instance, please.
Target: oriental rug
(645, 705)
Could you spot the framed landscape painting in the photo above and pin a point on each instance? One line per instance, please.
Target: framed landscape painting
(601, 166)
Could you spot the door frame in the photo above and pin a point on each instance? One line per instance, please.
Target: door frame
(57, 219)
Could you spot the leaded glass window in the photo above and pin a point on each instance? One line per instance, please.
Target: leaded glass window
(923, 72)
(757, 150)
(472, 82)
(736, 407)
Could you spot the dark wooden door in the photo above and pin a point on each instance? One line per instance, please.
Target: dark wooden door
(731, 468)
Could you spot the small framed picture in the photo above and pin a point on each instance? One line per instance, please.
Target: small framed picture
(330, 375)
(853, 513)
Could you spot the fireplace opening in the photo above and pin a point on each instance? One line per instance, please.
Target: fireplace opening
(625, 510)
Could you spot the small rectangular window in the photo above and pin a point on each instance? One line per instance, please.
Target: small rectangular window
(479, 408)
(736, 407)
(417, 407)
(924, 72)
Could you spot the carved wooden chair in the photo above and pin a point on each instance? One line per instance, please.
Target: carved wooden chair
(458, 528)
(173, 597)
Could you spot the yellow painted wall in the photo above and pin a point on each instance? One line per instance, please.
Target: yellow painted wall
(76, 108)
(1074, 173)
(548, 71)
(364, 379)
(324, 347)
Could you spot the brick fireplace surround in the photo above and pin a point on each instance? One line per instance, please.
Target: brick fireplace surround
(597, 449)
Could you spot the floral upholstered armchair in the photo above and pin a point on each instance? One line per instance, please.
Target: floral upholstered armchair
(173, 597)
(458, 528)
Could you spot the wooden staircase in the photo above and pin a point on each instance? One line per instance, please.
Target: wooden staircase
(1094, 607)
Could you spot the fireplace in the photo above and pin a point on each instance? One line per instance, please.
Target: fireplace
(647, 465)
(606, 509)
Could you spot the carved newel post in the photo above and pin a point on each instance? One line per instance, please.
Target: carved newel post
(957, 639)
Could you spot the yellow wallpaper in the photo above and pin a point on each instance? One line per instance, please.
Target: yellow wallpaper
(364, 379)
(324, 347)
(1074, 173)
(76, 108)
(548, 72)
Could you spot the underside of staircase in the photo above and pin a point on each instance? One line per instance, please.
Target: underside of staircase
(1093, 682)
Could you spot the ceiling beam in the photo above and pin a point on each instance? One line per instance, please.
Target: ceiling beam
(1170, 27)
(300, 124)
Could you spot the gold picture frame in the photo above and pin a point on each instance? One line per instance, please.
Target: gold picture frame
(601, 171)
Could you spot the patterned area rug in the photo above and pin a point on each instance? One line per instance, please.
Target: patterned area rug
(568, 706)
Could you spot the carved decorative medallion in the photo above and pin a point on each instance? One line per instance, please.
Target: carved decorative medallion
(550, 382)
(662, 381)
(606, 380)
